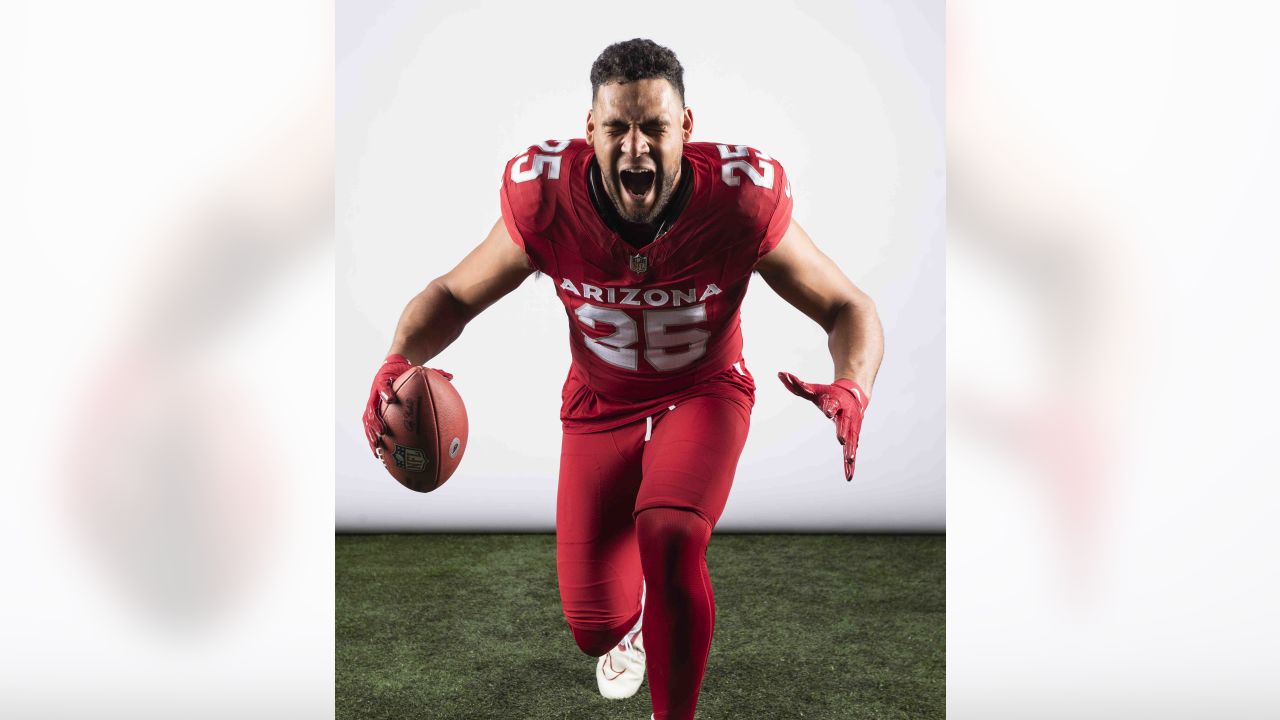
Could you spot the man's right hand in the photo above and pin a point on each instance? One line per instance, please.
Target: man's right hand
(393, 367)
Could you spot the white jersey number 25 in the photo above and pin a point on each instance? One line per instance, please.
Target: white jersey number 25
(539, 163)
(762, 177)
(617, 349)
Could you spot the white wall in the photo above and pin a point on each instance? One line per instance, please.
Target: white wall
(432, 102)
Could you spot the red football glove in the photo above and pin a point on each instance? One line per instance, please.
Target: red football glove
(842, 401)
(393, 367)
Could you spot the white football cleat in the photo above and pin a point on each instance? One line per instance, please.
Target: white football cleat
(620, 673)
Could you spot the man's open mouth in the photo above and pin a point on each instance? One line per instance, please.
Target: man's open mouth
(638, 182)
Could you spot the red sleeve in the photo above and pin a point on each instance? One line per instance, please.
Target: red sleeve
(508, 215)
(780, 219)
(527, 200)
(534, 189)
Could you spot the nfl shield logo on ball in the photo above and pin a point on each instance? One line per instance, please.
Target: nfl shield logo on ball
(411, 459)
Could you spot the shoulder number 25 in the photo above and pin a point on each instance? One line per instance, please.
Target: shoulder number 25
(762, 177)
(539, 162)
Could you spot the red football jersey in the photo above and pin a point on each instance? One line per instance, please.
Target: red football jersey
(650, 326)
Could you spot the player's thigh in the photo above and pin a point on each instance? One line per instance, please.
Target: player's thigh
(597, 558)
(597, 487)
(690, 460)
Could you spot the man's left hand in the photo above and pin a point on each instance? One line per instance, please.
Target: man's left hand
(844, 402)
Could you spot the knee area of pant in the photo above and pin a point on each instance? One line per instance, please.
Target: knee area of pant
(595, 642)
(672, 529)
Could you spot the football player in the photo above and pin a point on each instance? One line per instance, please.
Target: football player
(650, 240)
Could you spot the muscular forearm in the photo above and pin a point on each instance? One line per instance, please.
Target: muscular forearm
(430, 322)
(856, 341)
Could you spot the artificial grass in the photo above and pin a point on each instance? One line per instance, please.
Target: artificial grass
(468, 627)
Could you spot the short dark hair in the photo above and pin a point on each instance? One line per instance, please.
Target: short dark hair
(636, 59)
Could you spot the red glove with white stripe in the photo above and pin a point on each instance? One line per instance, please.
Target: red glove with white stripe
(842, 401)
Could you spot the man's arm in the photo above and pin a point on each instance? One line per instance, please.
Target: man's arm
(434, 318)
(807, 279)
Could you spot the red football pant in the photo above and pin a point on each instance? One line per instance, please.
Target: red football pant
(632, 509)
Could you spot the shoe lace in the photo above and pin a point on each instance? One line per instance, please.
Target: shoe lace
(628, 645)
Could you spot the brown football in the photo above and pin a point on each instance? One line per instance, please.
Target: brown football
(426, 430)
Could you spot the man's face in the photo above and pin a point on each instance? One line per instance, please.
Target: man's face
(638, 130)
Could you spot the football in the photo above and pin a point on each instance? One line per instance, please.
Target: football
(426, 430)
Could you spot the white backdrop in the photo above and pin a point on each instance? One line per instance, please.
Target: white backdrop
(432, 101)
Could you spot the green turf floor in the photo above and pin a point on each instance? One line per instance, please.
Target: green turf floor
(807, 626)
